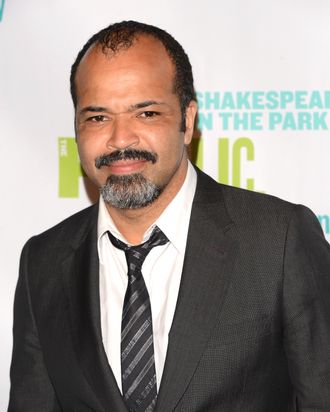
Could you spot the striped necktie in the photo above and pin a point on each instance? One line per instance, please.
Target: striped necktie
(137, 349)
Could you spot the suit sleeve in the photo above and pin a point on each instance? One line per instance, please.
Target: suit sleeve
(31, 389)
(306, 303)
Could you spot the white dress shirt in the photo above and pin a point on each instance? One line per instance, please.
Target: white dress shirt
(161, 270)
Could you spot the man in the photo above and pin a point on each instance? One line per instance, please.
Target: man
(236, 285)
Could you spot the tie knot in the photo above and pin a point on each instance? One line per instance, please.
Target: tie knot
(135, 255)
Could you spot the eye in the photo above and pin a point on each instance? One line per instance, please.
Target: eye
(149, 114)
(98, 118)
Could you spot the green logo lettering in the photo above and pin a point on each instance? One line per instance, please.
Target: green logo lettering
(70, 170)
(69, 167)
(240, 146)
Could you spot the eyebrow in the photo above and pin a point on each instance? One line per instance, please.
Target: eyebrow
(93, 109)
(140, 105)
(146, 103)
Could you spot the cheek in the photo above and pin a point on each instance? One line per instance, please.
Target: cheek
(87, 155)
(82, 152)
(166, 141)
(172, 148)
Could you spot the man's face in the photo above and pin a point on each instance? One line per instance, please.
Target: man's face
(128, 123)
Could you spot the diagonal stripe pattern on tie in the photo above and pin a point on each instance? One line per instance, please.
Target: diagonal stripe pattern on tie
(137, 349)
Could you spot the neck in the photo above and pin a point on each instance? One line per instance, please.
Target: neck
(133, 223)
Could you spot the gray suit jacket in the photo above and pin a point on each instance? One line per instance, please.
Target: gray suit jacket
(251, 331)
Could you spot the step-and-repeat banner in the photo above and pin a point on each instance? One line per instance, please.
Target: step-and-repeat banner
(262, 75)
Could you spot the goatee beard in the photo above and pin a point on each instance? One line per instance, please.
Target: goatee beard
(129, 191)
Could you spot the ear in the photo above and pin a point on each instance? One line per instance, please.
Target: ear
(191, 112)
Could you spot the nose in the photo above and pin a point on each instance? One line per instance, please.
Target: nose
(122, 135)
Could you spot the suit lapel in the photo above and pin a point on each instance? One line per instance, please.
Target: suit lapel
(81, 280)
(210, 255)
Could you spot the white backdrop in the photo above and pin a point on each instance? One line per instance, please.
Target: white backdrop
(262, 73)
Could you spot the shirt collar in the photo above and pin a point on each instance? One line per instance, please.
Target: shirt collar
(173, 222)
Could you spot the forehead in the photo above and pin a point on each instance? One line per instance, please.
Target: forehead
(146, 57)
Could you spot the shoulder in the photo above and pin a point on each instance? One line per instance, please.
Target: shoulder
(67, 234)
(235, 197)
(266, 227)
(252, 209)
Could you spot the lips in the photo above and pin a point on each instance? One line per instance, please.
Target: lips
(126, 166)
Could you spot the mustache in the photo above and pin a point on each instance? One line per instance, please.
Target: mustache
(128, 154)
